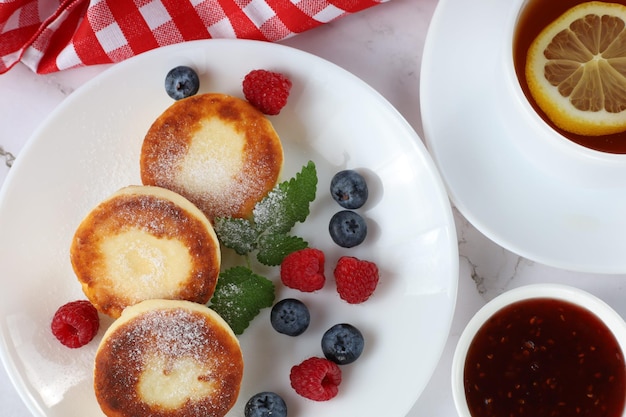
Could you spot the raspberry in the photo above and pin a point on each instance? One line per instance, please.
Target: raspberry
(266, 90)
(76, 323)
(356, 279)
(303, 270)
(317, 379)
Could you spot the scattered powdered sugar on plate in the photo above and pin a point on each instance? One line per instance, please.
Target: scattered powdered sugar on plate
(56, 369)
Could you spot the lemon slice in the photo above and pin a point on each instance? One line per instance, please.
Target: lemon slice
(576, 69)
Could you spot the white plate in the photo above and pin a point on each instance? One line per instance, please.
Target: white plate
(517, 202)
(90, 147)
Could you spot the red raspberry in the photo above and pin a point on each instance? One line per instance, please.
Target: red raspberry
(356, 279)
(317, 379)
(266, 90)
(76, 323)
(303, 270)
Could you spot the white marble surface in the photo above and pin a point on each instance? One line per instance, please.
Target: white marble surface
(383, 46)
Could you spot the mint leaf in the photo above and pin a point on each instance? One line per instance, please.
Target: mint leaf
(273, 218)
(239, 296)
(287, 203)
(238, 234)
(274, 248)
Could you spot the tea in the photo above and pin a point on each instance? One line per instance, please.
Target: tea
(534, 16)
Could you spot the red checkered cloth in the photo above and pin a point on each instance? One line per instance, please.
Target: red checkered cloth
(52, 35)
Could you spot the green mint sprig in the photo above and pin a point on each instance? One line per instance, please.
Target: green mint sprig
(272, 219)
(240, 294)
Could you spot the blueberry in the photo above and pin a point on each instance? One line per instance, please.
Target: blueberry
(342, 343)
(181, 82)
(290, 317)
(266, 404)
(347, 228)
(349, 189)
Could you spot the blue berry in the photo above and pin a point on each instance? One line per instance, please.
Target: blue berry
(181, 82)
(347, 228)
(265, 404)
(290, 317)
(342, 344)
(349, 189)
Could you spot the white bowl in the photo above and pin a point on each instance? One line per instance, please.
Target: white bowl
(600, 309)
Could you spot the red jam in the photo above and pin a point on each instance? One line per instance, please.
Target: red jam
(545, 357)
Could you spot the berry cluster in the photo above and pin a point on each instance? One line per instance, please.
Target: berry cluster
(318, 378)
(268, 91)
(348, 228)
(356, 279)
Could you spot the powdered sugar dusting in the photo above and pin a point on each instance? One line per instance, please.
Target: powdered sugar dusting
(177, 333)
(213, 159)
(220, 190)
(176, 359)
(217, 151)
(232, 292)
(263, 213)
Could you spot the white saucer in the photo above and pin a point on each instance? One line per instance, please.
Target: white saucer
(519, 202)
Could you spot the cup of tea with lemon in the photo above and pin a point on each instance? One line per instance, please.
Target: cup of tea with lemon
(566, 61)
(574, 68)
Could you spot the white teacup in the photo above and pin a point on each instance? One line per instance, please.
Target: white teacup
(542, 145)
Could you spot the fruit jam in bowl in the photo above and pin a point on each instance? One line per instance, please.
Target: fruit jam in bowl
(541, 350)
